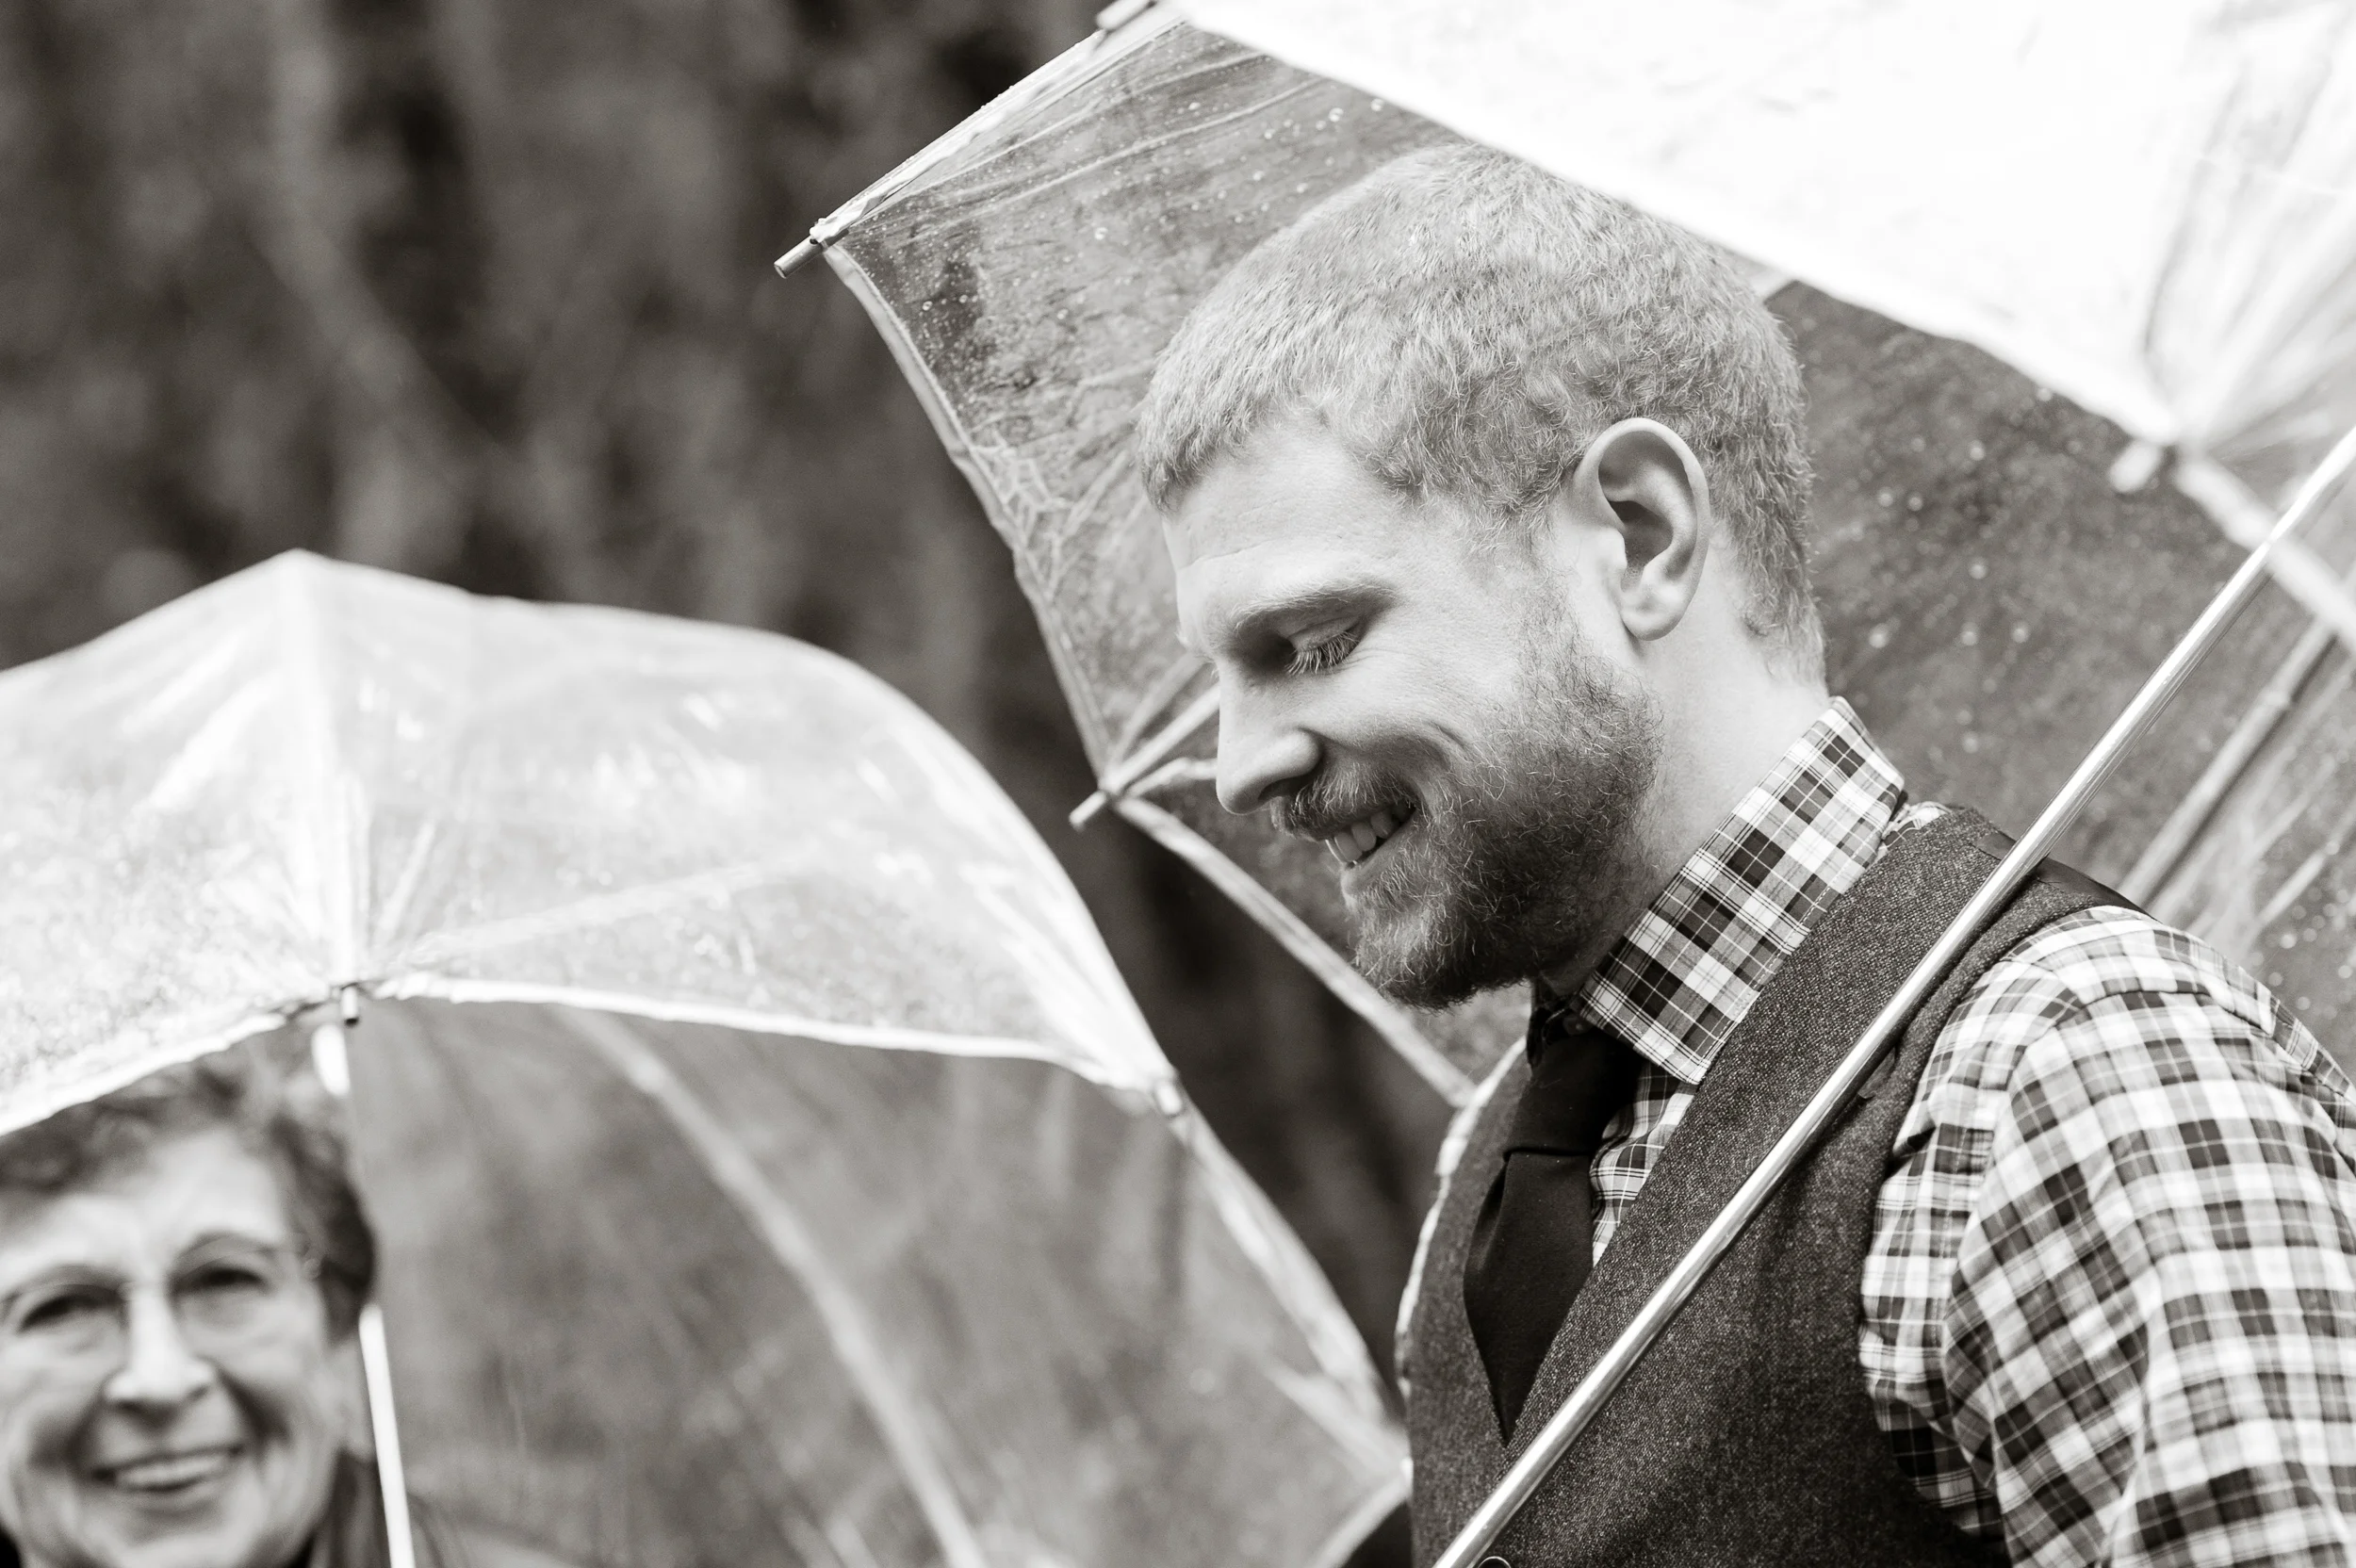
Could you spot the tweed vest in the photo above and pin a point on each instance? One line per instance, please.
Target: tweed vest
(1746, 1436)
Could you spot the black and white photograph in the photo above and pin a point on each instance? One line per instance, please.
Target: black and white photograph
(1193, 784)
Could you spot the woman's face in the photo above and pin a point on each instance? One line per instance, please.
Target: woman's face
(170, 1396)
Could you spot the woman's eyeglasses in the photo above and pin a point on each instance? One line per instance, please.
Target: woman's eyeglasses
(223, 1295)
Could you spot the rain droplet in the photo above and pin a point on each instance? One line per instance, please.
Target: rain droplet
(1375, 103)
(1971, 637)
(1879, 637)
(1978, 452)
(2045, 394)
(1970, 743)
(1979, 570)
(2019, 632)
(1914, 504)
(1887, 497)
(1334, 115)
(2290, 941)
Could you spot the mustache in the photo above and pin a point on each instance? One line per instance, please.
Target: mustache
(1334, 798)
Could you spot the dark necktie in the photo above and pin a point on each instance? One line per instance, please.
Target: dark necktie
(1534, 1241)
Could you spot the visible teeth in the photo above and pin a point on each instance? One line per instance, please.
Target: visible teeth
(1361, 839)
(159, 1475)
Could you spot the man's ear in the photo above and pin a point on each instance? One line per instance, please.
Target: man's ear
(1640, 478)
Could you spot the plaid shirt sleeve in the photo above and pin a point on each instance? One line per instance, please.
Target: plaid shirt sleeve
(2150, 1333)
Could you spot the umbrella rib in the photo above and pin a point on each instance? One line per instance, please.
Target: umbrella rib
(1125, 775)
(1167, 688)
(2331, 617)
(323, 832)
(974, 190)
(957, 441)
(1446, 1079)
(878, 1036)
(1067, 70)
(738, 1175)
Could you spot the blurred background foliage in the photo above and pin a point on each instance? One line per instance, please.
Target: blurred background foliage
(480, 290)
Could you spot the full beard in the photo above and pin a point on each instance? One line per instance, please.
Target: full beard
(1512, 861)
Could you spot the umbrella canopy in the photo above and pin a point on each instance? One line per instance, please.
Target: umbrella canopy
(1996, 575)
(2148, 206)
(768, 1162)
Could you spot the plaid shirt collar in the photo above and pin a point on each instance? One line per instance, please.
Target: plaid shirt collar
(1690, 967)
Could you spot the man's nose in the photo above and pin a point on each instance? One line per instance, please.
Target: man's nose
(159, 1370)
(1260, 752)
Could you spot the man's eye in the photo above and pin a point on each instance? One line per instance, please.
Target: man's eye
(1325, 655)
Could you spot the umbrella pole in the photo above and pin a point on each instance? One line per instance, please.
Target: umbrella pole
(1577, 1412)
(329, 1056)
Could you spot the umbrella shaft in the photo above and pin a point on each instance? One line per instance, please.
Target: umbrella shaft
(1575, 1414)
(329, 1059)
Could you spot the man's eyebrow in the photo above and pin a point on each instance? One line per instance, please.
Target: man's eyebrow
(1333, 598)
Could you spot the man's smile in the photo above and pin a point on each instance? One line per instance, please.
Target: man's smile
(1352, 845)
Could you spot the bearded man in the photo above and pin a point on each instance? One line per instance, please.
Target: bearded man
(1487, 499)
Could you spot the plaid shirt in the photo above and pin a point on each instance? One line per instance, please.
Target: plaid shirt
(2109, 1307)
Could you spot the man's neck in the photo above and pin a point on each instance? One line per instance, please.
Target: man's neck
(1719, 742)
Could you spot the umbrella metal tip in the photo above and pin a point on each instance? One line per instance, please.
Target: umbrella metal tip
(794, 257)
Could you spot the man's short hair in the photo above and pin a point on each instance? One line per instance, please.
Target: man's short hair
(279, 1112)
(1466, 324)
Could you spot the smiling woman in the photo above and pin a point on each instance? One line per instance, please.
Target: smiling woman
(182, 1264)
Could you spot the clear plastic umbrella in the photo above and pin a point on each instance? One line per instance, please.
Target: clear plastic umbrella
(2152, 208)
(2145, 207)
(768, 1162)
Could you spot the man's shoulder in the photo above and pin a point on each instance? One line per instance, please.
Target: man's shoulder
(2110, 981)
(2111, 953)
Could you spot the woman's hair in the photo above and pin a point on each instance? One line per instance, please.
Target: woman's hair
(279, 1111)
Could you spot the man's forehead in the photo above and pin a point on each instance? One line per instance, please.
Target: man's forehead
(1274, 586)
